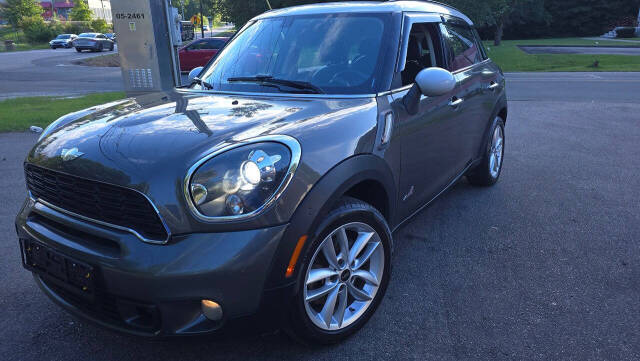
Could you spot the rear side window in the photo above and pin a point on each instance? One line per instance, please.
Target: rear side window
(214, 44)
(463, 48)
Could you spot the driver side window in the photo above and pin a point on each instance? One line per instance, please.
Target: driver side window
(422, 51)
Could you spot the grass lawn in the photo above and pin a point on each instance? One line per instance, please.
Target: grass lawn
(20, 113)
(511, 58)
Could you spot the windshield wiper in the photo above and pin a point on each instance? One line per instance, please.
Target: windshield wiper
(302, 85)
(202, 82)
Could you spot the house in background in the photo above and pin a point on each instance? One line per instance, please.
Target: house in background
(61, 9)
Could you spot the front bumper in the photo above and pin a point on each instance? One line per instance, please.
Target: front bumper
(155, 290)
(60, 45)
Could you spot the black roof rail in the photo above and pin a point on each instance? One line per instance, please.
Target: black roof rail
(433, 2)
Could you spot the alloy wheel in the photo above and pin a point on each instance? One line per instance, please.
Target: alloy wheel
(496, 152)
(344, 276)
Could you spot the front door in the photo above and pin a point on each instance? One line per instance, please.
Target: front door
(433, 151)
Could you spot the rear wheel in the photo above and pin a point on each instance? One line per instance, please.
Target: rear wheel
(79, 50)
(490, 168)
(346, 273)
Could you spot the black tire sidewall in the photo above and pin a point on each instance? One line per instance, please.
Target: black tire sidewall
(304, 329)
(481, 174)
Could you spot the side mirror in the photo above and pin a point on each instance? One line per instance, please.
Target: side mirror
(194, 73)
(430, 82)
(435, 81)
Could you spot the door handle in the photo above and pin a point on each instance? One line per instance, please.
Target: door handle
(455, 102)
(493, 86)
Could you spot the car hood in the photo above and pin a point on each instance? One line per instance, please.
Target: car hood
(126, 142)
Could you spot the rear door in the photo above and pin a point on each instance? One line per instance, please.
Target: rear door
(189, 56)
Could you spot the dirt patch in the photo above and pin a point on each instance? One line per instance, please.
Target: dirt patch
(111, 60)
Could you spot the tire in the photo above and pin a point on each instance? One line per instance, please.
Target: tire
(79, 50)
(486, 174)
(362, 222)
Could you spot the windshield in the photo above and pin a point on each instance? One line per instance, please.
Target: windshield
(336, 54)
(63, 36)
(87, 35)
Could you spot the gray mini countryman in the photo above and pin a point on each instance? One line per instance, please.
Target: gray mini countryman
(270, 188)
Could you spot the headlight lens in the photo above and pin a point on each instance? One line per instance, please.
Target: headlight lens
(240, 181)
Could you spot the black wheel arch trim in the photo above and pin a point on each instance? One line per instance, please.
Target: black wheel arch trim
(500, 105)
(319, 201)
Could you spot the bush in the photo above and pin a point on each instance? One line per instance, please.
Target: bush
(77, 27)
(36, 30)
(626, 32)
(99, 26)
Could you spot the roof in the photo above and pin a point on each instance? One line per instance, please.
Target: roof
(367, 7)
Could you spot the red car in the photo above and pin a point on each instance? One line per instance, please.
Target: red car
(199, 52)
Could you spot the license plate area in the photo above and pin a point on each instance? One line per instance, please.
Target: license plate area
(73, 275)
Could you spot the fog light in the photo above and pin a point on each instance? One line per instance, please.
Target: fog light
(211, 310)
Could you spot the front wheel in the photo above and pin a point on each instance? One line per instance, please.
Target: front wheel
(346, 271)
(79, 50)
(490, 167)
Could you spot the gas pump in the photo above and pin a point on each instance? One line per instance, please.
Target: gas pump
(149, 35)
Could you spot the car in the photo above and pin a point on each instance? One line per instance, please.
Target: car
(199, 52)
(205, 28)
(63, 41)
(268, 191)
(111, 36)
(93, 42)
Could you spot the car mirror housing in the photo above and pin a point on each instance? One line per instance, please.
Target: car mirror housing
(430, 82)
(194, 73)
(435, 81)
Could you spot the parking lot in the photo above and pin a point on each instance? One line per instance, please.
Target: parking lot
(545, 265)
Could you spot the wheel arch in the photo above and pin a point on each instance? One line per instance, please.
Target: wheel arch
(362, 177)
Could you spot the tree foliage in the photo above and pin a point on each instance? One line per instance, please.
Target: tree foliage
(511, 18)
(80, 11)
(15, 10)
(496, 14)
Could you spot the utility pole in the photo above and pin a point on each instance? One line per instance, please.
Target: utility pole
(201, 20)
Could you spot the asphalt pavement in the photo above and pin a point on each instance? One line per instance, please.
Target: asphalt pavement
(49, 72)
(52, 72)
(545, 265)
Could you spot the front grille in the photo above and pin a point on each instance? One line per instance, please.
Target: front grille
(100, 201)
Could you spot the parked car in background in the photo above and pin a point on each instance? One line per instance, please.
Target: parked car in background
(92, 42)
(199, 52)
(273, 183)
(111, 36)
(63, 41)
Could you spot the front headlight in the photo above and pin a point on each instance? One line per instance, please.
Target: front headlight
(240, 181)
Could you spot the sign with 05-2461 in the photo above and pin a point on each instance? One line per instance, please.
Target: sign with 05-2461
(129, 16)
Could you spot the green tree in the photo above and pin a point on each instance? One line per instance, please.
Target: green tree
(15, 10)
(80, 11)
(99, 26)
(239, 12)
(497, 14)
